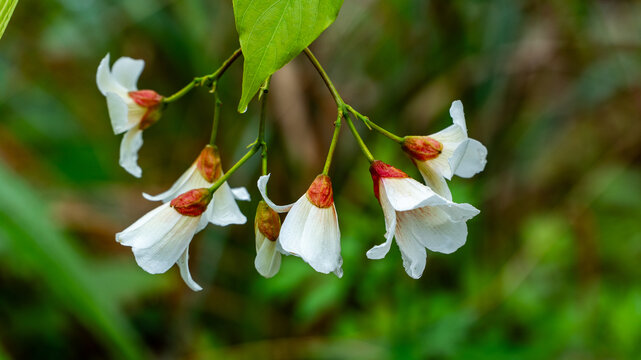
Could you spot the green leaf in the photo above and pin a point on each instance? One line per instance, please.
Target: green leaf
(273, 32)
(6, 10)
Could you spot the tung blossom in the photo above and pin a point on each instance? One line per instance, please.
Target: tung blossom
(161, 237)
(131, 110)
(268, 250)
(417, 217)
(203, 173)
(310, 229)
(448, 152)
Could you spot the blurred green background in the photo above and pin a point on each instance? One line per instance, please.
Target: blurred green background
(551, 265)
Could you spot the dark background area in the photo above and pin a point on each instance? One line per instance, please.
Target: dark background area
(551, 265)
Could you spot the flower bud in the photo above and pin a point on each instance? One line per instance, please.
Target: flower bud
(320, 193)
(208, 163)
(379, 170)
(193, 202)
(150, 100)
(146, 98)
(422, 148)
(267, 221)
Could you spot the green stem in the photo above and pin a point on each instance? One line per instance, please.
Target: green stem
(207, 80)
(254, 149)
(261, 128)
(371, 125)
(332, 145)
(359, 140)
(323, 74)
(214, 126)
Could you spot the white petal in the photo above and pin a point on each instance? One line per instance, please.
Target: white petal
(339, 270)
(268, 259)
(225, 210)
(183, 265)
(168, 247)
(452, 134)
(127, 71)
(180, 186)
(320, 244)
(459, 212)
(240, 193)
(105, 81)
(148, 228)
(131, 143)
(379, 251)
(451, 138)
(458, 115)
(262, 187)
(118, 113)
(433, 179)
(471, 159)
(408, 194)
(293, 226)
(432, 228)
(412, 252)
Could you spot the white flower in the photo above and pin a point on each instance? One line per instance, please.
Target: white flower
(161, 237)
(268, 250)
(130, 110)
(310, 230)
(203, 173)
(417, 217)
(448, 152)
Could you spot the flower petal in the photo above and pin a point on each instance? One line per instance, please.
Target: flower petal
(379, 251)
(262, 187)
(240, 193)
(412, 252)
(451, 137)
(148, 228)
(127, 71)
(458, 115)
(131, 143)
(168, 247)
(225, 210)
(320, 244)
(408, 194)
(183, 265)
(105, 81)
(433, 179)
(432, 228)
(472, 157)
(118, 113)
(293, 226)
(180, 186)
(268, 259)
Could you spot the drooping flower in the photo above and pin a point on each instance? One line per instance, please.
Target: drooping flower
(161, 237)
(310, 230)
(267, 228)
(448, 152)
(204, 172)
(417, 217)
(130, 110)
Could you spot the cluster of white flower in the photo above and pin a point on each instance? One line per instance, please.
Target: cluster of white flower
(418, 216)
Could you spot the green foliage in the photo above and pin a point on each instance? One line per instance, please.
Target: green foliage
(41, 249)
(273, 32)
(6, 10)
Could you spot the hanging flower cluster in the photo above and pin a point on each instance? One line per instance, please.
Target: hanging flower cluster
(420, 216)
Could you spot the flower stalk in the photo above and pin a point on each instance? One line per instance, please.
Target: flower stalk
(207, 80)
(261, 127)
(215, 122)
(359, 140)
